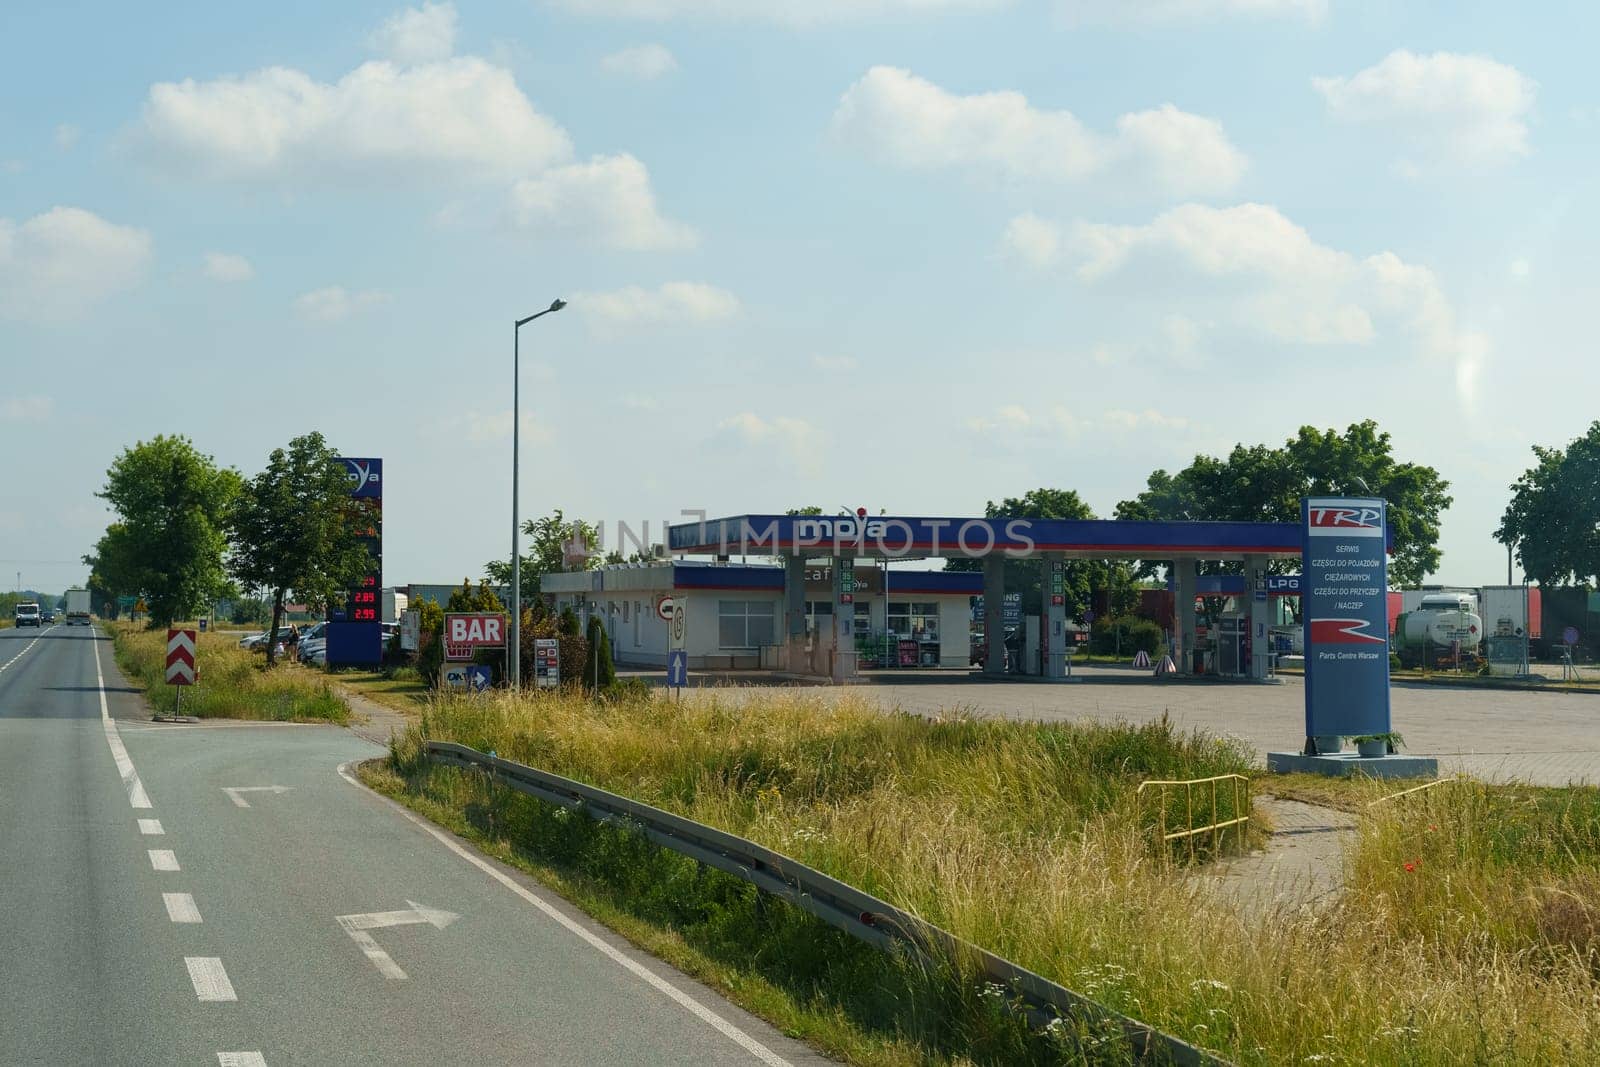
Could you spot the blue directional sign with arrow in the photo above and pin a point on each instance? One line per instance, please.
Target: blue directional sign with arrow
(677, 668)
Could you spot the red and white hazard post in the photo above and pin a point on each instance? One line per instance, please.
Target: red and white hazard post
(180, 660)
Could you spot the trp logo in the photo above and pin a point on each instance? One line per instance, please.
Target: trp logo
(1344, 520)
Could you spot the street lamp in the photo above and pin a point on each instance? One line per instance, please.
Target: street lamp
(515, 658)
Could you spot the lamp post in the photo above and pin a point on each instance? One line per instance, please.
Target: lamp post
(515, 657)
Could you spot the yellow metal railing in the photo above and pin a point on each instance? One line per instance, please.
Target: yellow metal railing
(1413, 789)
(1238, 784)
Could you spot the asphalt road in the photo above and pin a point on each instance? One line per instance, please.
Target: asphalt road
(155, 917)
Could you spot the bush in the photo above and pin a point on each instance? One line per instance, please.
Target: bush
(1128, 634)
(571, 654)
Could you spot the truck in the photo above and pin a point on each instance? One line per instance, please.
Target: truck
(77, 607)
(394, 605)
(1443, 629)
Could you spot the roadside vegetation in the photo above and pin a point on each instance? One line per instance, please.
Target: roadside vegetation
(234, 683)
(1468, 930)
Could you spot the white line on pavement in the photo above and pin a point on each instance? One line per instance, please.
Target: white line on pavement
(151, 827)
(163, 859)
(660, 984)
(130, 777)
(210, 980)
(241, 1059)
(380, 959)
(181, 907)
(24, 651)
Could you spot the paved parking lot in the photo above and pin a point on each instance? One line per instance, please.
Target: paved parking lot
(1548, 738)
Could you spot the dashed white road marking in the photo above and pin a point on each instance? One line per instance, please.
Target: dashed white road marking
(130, 777)
(151, 827)
(241, 1059)
(634, 967)
(163, 859)
(211, 985)
(24, 651)
(181, 907)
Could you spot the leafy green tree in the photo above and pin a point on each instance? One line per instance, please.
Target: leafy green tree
(550, 536)
(1553, 517)
(295, 526)
(810, 510)
(167, 542)
(569, 622)
(468, 598)
(1263, 484)
(1024, 575)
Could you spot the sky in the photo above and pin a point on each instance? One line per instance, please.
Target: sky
(908, 255)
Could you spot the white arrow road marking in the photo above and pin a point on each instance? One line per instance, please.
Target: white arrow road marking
(235, 793)
(577, 929)
(181, 908)
(241, 1059)
(358, 925)
(130, 777)
(210, 980)
(163, 859)
(151, 827)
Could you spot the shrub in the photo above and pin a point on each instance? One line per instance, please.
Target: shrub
(1128, 634)
(599, 672)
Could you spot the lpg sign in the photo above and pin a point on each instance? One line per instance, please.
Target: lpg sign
(465, 633)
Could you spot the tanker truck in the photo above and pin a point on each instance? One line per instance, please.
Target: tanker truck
(1428, 634)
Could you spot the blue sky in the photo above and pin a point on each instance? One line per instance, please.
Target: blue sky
(903, 254)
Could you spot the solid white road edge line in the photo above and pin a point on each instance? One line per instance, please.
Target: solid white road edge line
(130, 777)
(181, 907)
(211, 985)
(163, 859)
(661, 985)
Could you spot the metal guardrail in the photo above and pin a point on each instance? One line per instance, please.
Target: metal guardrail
(1238, 782)
(842, 906)
(1414, 789)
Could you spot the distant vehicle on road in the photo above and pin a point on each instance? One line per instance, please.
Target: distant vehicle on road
(77, 607)
(28, 614)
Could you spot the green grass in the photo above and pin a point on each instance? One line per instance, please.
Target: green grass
(403, 690)
(1027, 839)
(233, 683)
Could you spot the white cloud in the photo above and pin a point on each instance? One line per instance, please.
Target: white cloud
(902, 120)
(644, 62)
(798, 13)
(608, 198)
(794, 437)
(226, 267)
(1034, 240)
(834, 364)
(483, 427)
(674, 302)
(457, 118)
(56, 265)
(1448, 108)
(1014, 421)
(336, 303)
(1251, 264)
(1164, 11)
(26, 408)
(67, 136)
(423, 34)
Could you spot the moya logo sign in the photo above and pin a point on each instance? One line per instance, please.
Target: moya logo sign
(366, 476)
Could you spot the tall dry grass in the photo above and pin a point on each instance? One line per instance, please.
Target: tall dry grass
(1027, 839)
(233, 683)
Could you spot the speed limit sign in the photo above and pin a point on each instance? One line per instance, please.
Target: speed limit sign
(678, 624)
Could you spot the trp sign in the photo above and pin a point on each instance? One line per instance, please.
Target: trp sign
(466, 632)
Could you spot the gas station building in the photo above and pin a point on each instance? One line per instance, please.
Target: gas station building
(803, 611)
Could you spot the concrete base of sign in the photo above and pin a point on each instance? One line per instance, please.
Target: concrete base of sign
(1348, 764)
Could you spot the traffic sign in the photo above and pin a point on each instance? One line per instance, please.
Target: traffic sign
(664, 608)
(678, 628)
(1569, 636)
(410, 630)
(466, 632)
(677, 668)
(546, 663)
(180, 657)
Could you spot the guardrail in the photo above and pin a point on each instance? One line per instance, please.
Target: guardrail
(1237, 782)
(1414, 789)
(842, 906)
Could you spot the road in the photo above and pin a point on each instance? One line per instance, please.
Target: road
(222, 894)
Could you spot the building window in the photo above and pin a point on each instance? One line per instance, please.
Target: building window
(819, 615)
(625, 611)
(919, 622)
(745, 623)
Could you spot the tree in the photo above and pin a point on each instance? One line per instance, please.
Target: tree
(551, 535)
(1553, 517)
(1023, 575)
(167, 542)
(295, 526)
(810, 510)
(1263, 484)
(598, 669)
